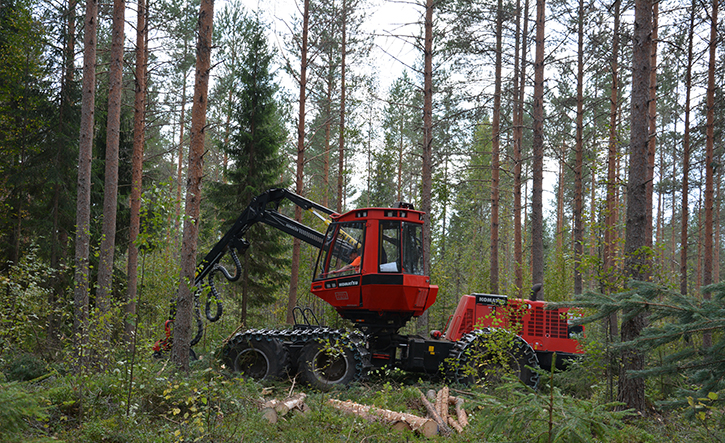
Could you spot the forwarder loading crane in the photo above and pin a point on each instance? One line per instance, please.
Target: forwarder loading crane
(379, 294)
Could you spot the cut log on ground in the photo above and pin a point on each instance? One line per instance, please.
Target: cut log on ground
(273, 409)
(461, 413)
(442, 426)
(455, 425)
(442, 404)
(399, 420)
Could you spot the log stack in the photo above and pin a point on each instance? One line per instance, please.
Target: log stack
(438, 421)
(273, 409)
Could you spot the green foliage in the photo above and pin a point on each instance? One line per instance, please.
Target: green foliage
(257, 134)
(18, 406)
(677, 322)
(24, 303)
(709, 416)
(25, 367)
(548, 416)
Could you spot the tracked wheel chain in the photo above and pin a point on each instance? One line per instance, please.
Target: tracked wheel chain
(355, 339)
(255, 336)
(456, 353)
(300, 337)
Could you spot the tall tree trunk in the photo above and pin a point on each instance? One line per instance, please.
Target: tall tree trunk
(579, 150)
(495, 141)
(110, 189)
(519, 89)
(560, 202)
(427, 172)
(537, 208)
(83, 202)
(180, 155)
(709, 160)
(328, 136)
(611, 213)
(686, 156)
(652, 112)
(185, 299)
(341, 147)
(299, 181)
(139, 137)
(631, 390)
(58, 234)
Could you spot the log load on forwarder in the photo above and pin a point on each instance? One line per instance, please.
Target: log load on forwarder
(370, 270)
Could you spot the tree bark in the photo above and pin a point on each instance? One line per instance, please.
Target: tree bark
(579, 152)
(519, 89)
(631, 390)
(652, 112)
(299, 181)
(495, 141)
(83, 202)
(110, 189)
(423, 426)
(709, 160)
(185, 302)
(686, 156)
(341, 146)
(537, 210)
(427, 172)
(611, 214)
(139, 138)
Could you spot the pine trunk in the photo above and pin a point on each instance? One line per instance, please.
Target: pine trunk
(83, 202)
(185, 301)
(709, 163)
(427, 172)
(139, 138)
(686, 156)
(537, 209)
(110, 189)
(579, 150)
(495, 141)
(341, 145)
(299, 180)
(631, 389)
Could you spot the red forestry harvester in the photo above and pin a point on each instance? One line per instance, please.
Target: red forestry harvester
(370, 269)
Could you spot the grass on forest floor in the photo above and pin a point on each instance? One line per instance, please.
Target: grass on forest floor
(212, 405)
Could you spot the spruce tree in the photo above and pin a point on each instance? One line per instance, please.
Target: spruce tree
(677, 324)
(256, 164)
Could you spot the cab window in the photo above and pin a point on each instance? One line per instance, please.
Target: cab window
(342, 251)
(400, 248)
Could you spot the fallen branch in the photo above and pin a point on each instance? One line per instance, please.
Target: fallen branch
(398, 420)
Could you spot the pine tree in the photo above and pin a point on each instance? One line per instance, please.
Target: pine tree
(256, 164)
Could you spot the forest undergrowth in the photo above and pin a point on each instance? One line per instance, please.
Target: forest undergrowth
(44, 403)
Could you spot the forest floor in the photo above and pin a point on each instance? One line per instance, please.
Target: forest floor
(211, 405)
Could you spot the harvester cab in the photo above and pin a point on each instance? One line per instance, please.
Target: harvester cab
(370, 268)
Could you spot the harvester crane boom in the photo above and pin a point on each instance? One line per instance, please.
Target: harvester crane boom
(263, 209)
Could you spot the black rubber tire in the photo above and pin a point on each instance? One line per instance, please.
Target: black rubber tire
(474, 361)
(326, 364)
(257, 357)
